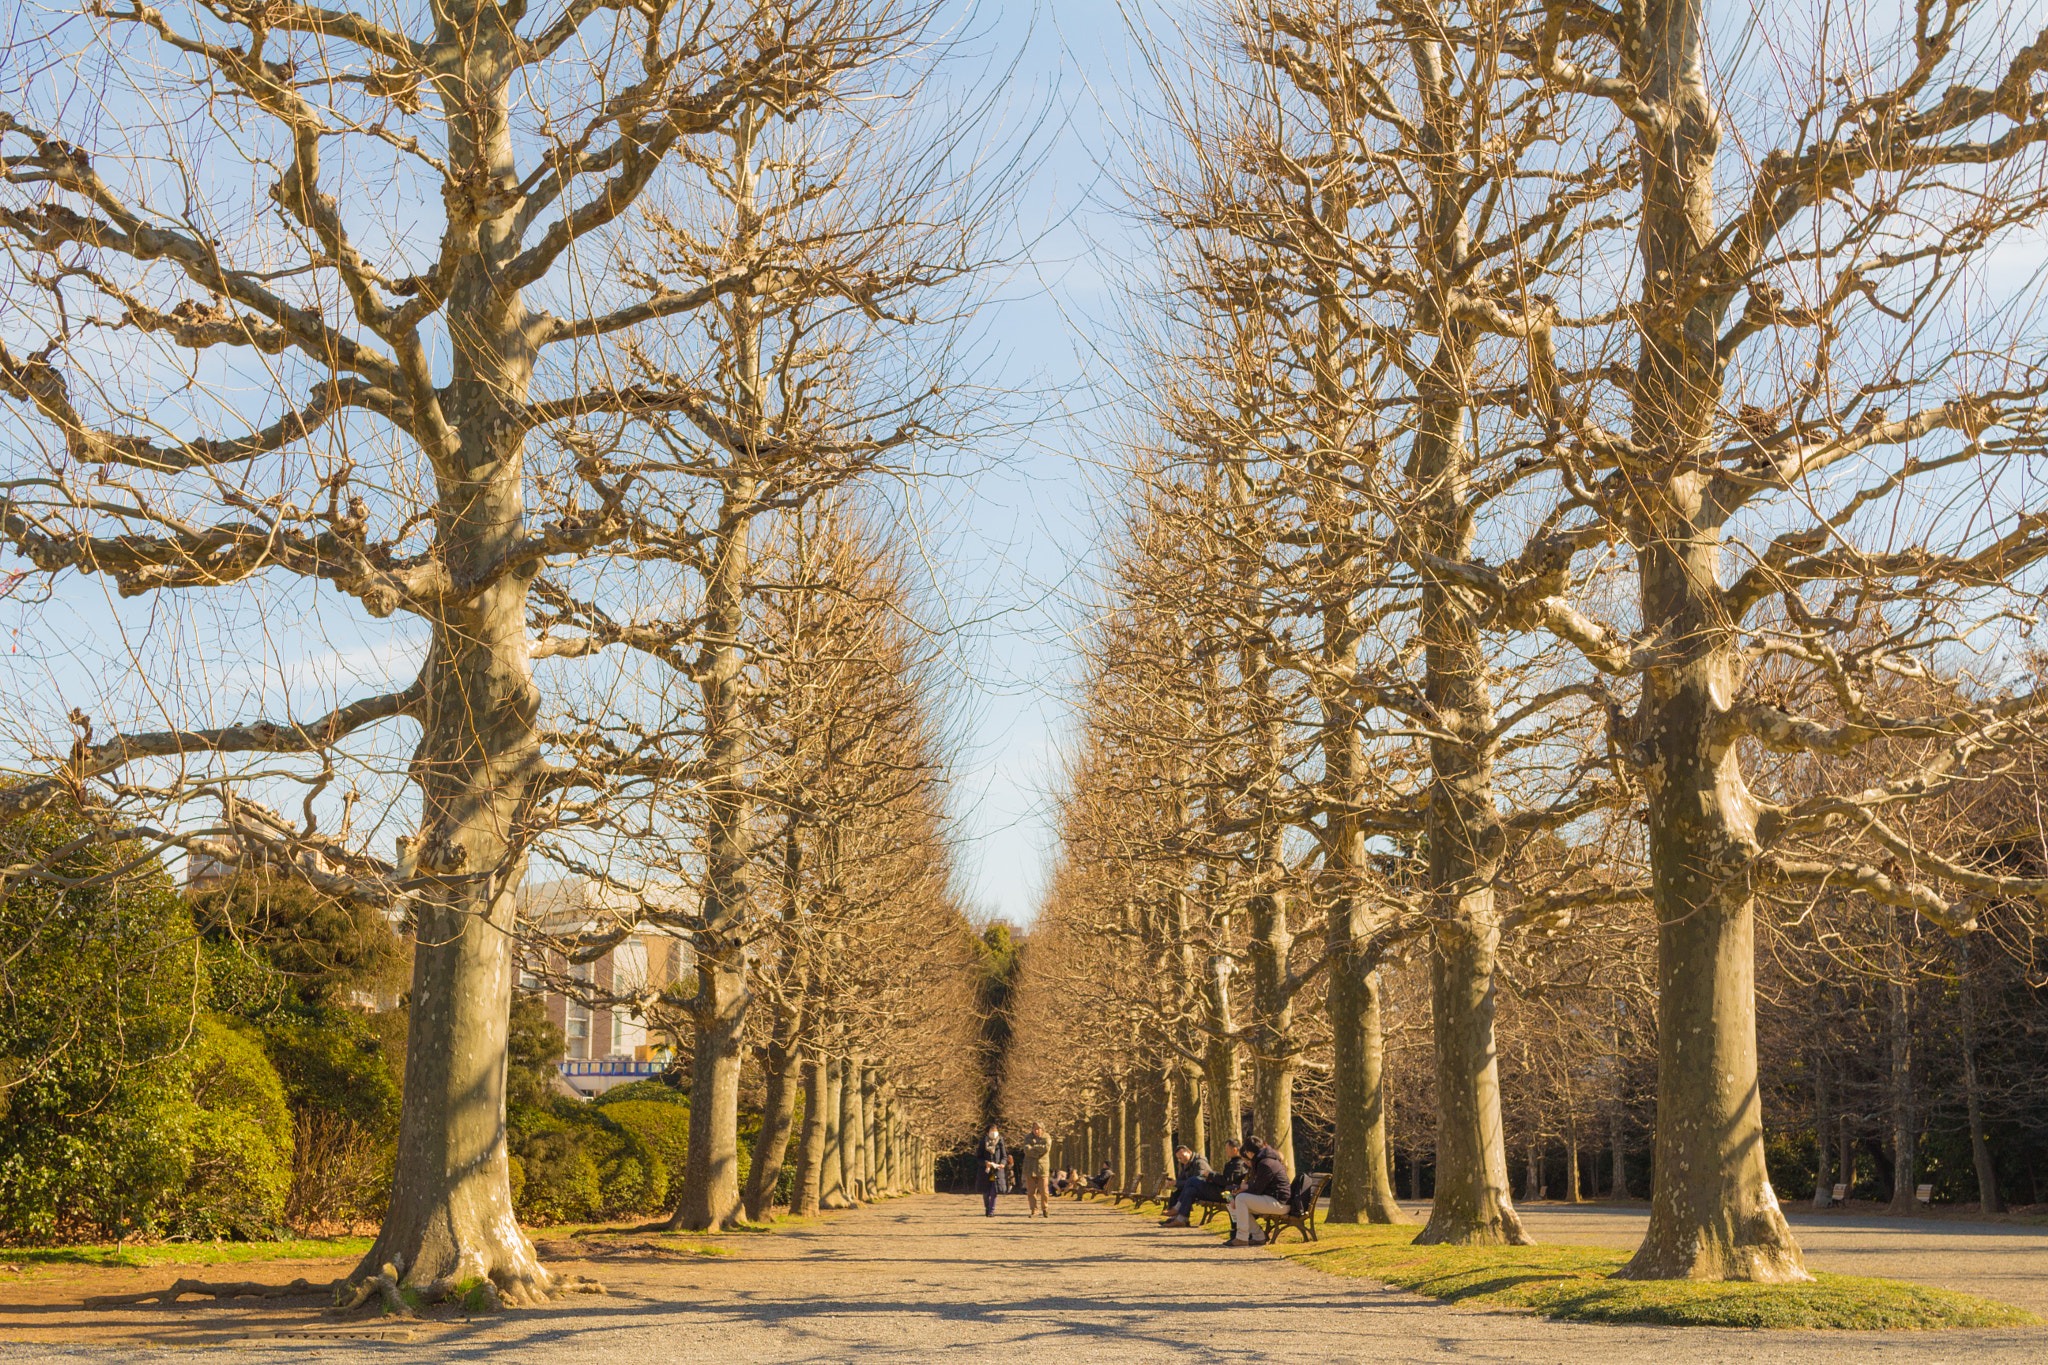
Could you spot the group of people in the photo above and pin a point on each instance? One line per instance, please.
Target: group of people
(998, 1168)
(1253, 1180)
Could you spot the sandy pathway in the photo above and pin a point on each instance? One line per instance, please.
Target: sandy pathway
(928, 1278)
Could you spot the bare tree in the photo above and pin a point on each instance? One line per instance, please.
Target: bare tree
(399, 370)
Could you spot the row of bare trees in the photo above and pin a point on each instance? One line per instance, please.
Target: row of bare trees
(555, 359)
(1585, 468)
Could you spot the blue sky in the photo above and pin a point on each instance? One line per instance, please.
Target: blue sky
(1009, 548)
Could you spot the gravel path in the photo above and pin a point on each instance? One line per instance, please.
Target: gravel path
(928, 1278)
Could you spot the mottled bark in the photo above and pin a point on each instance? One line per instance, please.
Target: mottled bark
(1472, 1204)
(832, 1192)
(1905, 1109)
(1155, 1140)
(1273, 1004)
(810, 1149)
(449, 1220)
(782, 1064)
(1362, 1188)
(1713, 1214)
(1973, 1090)
(1219, 1064)
(847, 1087)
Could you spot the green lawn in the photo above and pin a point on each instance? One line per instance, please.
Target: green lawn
(187, 1253)
(1577, 1284)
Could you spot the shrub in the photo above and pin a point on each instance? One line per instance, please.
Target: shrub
(236, 1140)
(98, 993)
(580, 1161)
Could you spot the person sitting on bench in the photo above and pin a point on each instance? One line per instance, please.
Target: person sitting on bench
(1207, 1184)
(1104, 1176)
(1190, 1170)
(1264, 1193)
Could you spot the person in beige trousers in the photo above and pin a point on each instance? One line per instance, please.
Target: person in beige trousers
(1034, 1156)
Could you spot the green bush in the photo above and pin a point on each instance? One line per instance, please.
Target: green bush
(663, 1128)
(235, 1136)
(579, 1161)
(96, 995)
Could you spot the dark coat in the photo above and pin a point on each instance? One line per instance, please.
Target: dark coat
(1268, 1176)
(1196, 1167)
(984, 1153)
(1232, 1175)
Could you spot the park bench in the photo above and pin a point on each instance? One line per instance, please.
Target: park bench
(1273, 1224)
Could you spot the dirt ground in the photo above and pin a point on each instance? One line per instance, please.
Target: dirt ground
(923, 1279)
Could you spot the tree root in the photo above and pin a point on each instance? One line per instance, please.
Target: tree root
(237, 1289)
(383, 1285)
(476, 1294)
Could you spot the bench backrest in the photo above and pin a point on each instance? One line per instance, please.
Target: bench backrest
(1306, 1189)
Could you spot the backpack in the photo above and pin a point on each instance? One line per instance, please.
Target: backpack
(1298, 1195)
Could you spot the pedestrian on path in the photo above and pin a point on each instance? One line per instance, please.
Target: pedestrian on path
(992, 1175)
(1036, 1152)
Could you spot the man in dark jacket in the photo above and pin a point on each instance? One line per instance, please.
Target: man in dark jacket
(1207, 1184)
(992, 1169)
(1191, 1175)
(1265, 1192)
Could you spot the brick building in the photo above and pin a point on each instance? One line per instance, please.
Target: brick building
(606, 1047)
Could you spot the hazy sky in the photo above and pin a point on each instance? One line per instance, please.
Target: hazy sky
(1026, 563)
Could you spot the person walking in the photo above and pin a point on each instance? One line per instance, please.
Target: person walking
(993, 1173)
(1036, 1151)
(1265, 1192)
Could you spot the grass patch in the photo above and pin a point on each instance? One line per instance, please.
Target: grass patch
(188, 1253)
(1576, 1284)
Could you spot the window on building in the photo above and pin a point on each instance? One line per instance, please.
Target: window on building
(577, 1026)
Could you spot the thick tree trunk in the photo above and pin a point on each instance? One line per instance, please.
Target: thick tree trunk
(832, 1192)
(711, 1194)
(1362, 1188)
(778, 1109)
(1713, 1215)
(1973, 1090)
(850, 1185)
(810, 1149)
(1273, 1002)
(1131, 1143)
(449, 1220)
(1823, 1127)
(1155, 1134)
(1219, 1066)
(1188, 1119)
(1905, 1125)
(1472, 1205)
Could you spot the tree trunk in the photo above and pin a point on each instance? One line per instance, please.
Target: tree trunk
(1132, 1140)
(1573, 1195)
(1473, 1206)
(1532, 1174)
(1362, 1188)
(450, 1219)
(810, 1150)
(832, 1193)
(1219, 1066)
(1713, 1215)
(849, 1131)
(1155, 1133)
(778, 1109)
(1189, 1120)
(1905, 1128)
(1273, 999)
(1823, 1125)
(1973, 1090)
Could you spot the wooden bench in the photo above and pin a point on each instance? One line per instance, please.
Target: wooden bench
(1304, 1222)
